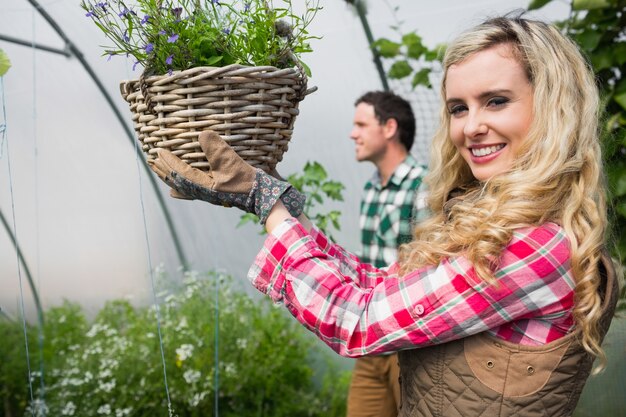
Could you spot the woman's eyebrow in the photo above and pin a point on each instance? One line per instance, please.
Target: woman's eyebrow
(482, 96)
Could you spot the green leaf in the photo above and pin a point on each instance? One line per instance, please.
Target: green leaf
(213, 60)
(602, 59)
(589, 4)
(618, 174)
(436, 54)
(317, 198)
(621, 100)
(621, 209)
(400, 69)
(613, 122)
(315, 172)
(387, 48)
(421, 78)
(589, 39)
(416, 50)
(411, 39)
(621, 86)
(619, 52)
(247, 218)
(537, 4)
(333, 190)
(307, 70)
(5, 63)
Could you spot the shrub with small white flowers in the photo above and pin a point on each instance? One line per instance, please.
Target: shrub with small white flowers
(167, 35)
(268, 365)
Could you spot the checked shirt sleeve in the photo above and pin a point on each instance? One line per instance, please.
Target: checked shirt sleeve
(530, 303)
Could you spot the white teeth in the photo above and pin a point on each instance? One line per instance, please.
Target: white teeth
(486, 151)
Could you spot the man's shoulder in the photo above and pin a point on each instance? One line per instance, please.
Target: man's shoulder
(416, 171)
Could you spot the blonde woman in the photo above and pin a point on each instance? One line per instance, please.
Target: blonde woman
(500, 304)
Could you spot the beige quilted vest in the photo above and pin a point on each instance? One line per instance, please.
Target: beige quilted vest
(482, 376)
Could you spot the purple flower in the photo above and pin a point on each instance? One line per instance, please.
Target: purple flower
(215, 2)
(135, 64)
(177, 11)
(246, 7)
(145, 19)
(102, 5)
(169, 59)
(149, 47)
(162, 32)
(123, 13)
(90, 14)
(226, 31)
(172, 38)
(125, 36)
(169, 71)
(110, 56)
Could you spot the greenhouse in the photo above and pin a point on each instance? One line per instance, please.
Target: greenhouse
(120, 300)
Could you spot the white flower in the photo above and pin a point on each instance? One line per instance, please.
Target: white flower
(69, 409)
(96, 328)
(230, 368)
(110, 332)
(107, 386)
(104, 409)
(191, 376)
(105, 373)
(195, 400)
(121, 412)
(182, 324)
(73, 371)
(108, 363)
(184, 351)
(242, 343)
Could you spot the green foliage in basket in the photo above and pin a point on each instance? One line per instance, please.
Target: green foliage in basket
(167, 35)
(268, 364)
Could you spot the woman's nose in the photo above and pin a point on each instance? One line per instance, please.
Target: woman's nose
(475, 125)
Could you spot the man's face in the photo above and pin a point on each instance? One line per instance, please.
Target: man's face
(368, 134)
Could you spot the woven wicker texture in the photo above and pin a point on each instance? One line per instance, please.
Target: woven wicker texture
(252, 108)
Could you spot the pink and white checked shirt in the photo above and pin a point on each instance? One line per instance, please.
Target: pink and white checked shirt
(359, 310)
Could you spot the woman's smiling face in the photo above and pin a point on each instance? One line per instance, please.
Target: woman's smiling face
(490, 101)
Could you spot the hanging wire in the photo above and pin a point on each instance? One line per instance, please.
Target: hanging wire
(138, 154)
(217, 345)
(19, 269)
(153, 287)
(42, 385)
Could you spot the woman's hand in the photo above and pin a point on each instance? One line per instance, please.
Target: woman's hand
(229, 182)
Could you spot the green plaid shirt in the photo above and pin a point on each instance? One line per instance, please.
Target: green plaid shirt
(387, 212)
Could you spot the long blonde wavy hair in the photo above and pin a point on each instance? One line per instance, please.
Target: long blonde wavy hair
(557, 176)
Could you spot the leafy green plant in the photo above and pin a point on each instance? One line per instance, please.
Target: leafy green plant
(167, 35)
(408, 55)
(599, 28)
(5, 63)
(266, 365)
(313, 182)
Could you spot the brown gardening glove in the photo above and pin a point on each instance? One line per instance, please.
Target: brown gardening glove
(229, 182)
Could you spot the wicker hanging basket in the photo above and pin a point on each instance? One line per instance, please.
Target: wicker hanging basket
(251, 108)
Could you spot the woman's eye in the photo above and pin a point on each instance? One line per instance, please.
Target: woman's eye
(497, 101)
(457, 109)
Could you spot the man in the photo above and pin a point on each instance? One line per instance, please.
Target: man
(383, 132)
